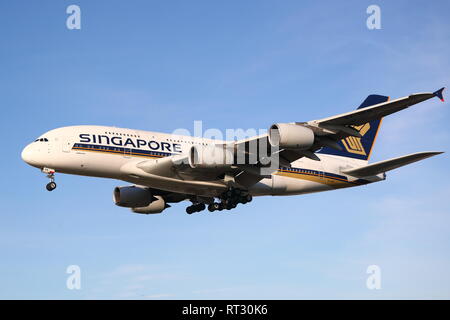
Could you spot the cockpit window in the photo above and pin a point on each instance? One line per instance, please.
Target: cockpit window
(41, 140)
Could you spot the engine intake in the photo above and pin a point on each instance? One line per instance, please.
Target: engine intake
(291, 136)
(132, 196)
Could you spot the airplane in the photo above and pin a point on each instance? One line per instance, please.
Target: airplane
(290, 159)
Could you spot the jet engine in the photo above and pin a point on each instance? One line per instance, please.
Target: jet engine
(210, 157)
(132, 196)
(156, 206)
(291, 136)
(139, 199)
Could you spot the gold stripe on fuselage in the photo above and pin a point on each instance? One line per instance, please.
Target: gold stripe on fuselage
(334, 182)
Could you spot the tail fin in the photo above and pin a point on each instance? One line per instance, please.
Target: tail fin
(360, 148)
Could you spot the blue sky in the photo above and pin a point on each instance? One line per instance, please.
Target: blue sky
(160, 65)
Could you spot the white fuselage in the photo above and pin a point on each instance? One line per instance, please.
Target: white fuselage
(108, 152)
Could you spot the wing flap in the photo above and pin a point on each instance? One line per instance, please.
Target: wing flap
(386, 165)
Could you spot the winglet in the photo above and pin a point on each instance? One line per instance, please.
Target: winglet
(439, 94)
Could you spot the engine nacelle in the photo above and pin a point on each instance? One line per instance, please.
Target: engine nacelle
(291, 136)
(210, 157)
(132, 196)
(156, 206)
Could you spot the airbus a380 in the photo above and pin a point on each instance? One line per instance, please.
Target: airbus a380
(291, 159)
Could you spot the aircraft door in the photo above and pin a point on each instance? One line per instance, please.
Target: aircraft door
(321, 174)
(127, 152)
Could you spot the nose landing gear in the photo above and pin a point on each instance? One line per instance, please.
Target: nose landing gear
(51, 175)
(51, 186)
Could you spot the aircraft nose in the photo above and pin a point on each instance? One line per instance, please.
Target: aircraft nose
(27, 155)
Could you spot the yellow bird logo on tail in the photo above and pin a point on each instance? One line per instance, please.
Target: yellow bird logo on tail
(353, 144)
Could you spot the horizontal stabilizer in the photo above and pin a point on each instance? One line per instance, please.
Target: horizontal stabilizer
(386, 165)
(439, 94)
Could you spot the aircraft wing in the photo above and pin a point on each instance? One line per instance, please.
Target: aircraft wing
(173, 171)
(367, 114)
(329, 131)
(386, 165)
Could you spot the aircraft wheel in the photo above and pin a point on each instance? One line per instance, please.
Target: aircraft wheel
(50, 186)
(190, 210)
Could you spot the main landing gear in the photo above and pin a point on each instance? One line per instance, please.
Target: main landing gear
(216, 206)
(196, 207)
(51, 175)
(231, 198)
(228, 200)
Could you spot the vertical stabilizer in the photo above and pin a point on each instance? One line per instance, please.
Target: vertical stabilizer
(360, 148)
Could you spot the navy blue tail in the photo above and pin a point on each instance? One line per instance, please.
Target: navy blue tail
(360, 148)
